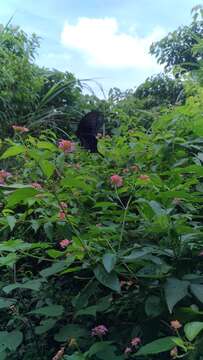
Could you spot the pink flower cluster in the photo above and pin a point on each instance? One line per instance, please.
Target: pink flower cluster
(175, 324)
(63, 205)
(174, 353)
(99, 330)
(36, 185)
(116, 180)
(64, 243)
(20, 129)
(62, 215)
(135, 342)
(3, 176)
(67, 146)
(144, 177)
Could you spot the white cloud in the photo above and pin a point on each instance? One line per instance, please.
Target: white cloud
(103, 45)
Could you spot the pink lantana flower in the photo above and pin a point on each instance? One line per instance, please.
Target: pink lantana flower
(3, 176)
(99, 330)
(174, 352)
(64, 243)
(128, 350)
(176, 201)
(135, 168)
(36, 185)
(63, 205)
(144, 177)
(136, 341)
(61, 215)
(20, 129)
(175, 324)
(67, 146)
(117, 180)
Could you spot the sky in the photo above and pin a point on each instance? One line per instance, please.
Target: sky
(106, 40)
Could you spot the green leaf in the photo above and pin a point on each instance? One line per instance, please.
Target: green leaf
(100, 347)
(30, 285)
(109, 280)
(13, 151)
(197, 291)
(153, 306)
(11, 340)
(57, 267)
(81, 299)
(60, 162)
(45, 325)
(20, 195)
(8, 260)
(156, 207)
(103, 350)
(3, 354)
(71, 331)
(11, 220)
(48, 228)
(104, 204)
(157, 346)
(54, 253)
(193, 329)
(109, 261)
(46, 145)
(137, 254)
(6, 302)
(47, 168)
(75, 356)
(50, 311)
(175, 290)
(14, 245)
(103, 304)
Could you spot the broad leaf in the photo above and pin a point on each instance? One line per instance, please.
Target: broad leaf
(8, 260)
(103, 304)
(197, 291)
(109, 280)
(175, 290)
(13, 151)
(50, 311)
(47, 168)
(30, 285)
(193, 329)
(14, 245)
(157, 346)
(109, 261)
(71, 331)
(153, 306)
(6, 302)
(57, 267)
(75, 356)
(11, 220)
(11, 340)
(48, 228)
(45, 325)
(46, 145)
(20, 195)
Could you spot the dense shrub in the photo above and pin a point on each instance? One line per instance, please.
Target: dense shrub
(101, 258)
(81, 249)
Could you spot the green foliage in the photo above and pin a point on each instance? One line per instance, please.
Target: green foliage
(91, 270)
(176, 48)
(20, 79)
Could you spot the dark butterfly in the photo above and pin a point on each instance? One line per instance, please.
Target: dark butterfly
(88, 128)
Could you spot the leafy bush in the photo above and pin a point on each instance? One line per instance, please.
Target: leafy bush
(82, 249)
(101, 258)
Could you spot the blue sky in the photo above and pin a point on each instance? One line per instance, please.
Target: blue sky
(105, 39)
